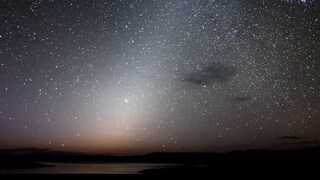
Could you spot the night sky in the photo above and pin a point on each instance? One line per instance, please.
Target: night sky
(143, 76)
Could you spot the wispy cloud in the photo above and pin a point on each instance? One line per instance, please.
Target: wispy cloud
(217, 72)
(291, 137)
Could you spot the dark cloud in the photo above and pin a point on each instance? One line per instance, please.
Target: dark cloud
(217, 72)
(290, 137)
(302, 143)
(242, 99)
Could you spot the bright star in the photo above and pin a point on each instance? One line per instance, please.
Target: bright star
(126, 100)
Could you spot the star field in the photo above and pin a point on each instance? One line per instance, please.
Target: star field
(142, 76)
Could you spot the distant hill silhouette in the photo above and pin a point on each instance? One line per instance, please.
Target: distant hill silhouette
(189, 163)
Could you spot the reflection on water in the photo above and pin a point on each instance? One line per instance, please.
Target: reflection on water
(86, 168)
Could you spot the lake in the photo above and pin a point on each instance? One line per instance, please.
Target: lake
(88, 168)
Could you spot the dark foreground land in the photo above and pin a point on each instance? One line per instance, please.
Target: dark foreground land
(291, 163)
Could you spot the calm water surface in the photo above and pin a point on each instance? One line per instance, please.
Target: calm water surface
(89, 168)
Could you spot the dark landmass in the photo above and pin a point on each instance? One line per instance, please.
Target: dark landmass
(260, 161)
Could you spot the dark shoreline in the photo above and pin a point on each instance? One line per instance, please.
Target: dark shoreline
(22, 165)
(187, 164)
